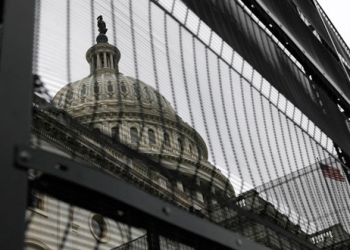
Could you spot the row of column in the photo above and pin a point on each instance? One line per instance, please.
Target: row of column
(108, 61)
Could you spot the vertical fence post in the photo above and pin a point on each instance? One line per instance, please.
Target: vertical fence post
(15, 111)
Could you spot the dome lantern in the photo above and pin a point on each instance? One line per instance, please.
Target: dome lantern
(103, 56)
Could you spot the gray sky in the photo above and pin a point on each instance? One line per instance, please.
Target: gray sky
(338, 13)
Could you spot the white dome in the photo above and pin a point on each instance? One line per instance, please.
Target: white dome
(107, 99)
(109, 88)
(136, 115)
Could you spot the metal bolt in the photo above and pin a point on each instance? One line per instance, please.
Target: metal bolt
(166, 210)
(120, 213)
(239, 242)
(24, 156)
(60, 167)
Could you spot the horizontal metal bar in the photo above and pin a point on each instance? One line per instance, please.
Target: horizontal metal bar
(98, 181)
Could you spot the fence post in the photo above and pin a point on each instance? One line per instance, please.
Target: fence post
(15, 110)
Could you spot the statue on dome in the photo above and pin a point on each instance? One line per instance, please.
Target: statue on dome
(101, 25)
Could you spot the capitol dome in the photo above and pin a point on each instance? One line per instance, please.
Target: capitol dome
(128, 109)
(137, 115)
(106, 86)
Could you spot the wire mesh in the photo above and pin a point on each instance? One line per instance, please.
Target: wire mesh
(168, 105)
(80, 221)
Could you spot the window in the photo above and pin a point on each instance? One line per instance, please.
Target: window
(151, 137)
(199, 151)
(99, 228)
(115, 133)
(109, 87)
(83, 91)
(133, 135)
(190, 147)
(166, 140)
(148, 94)
(36, 200)
(136, 90)
(69, 95)
(179, 144)
(96, 88)
(123, 88)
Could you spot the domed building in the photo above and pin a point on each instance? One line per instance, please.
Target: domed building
(135, 114)
(98, 120)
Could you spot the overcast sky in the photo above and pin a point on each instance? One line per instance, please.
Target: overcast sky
(338, 12)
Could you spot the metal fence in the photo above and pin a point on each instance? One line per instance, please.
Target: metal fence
(220, 138)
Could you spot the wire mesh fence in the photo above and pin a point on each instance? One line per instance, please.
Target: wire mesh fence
(234, 130)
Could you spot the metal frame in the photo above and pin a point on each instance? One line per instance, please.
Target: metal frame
(147, 205)
(15, 110)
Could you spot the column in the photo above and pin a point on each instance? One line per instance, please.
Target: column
(199, 194)
(98, 62)
(104, 60)
(112, 61)
(213, 201)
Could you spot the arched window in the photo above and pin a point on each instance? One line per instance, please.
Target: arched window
(69, 95)
(109, 87)
(133, 135)
(151, 137)
(115, 133)
(166, 140)
(180, 144)
(199, 151)
(148, 94)
(83, 91)
(96, 88)
(136, 90)
(123, 88)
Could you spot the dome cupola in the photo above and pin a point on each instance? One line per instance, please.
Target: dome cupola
(103, 56)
